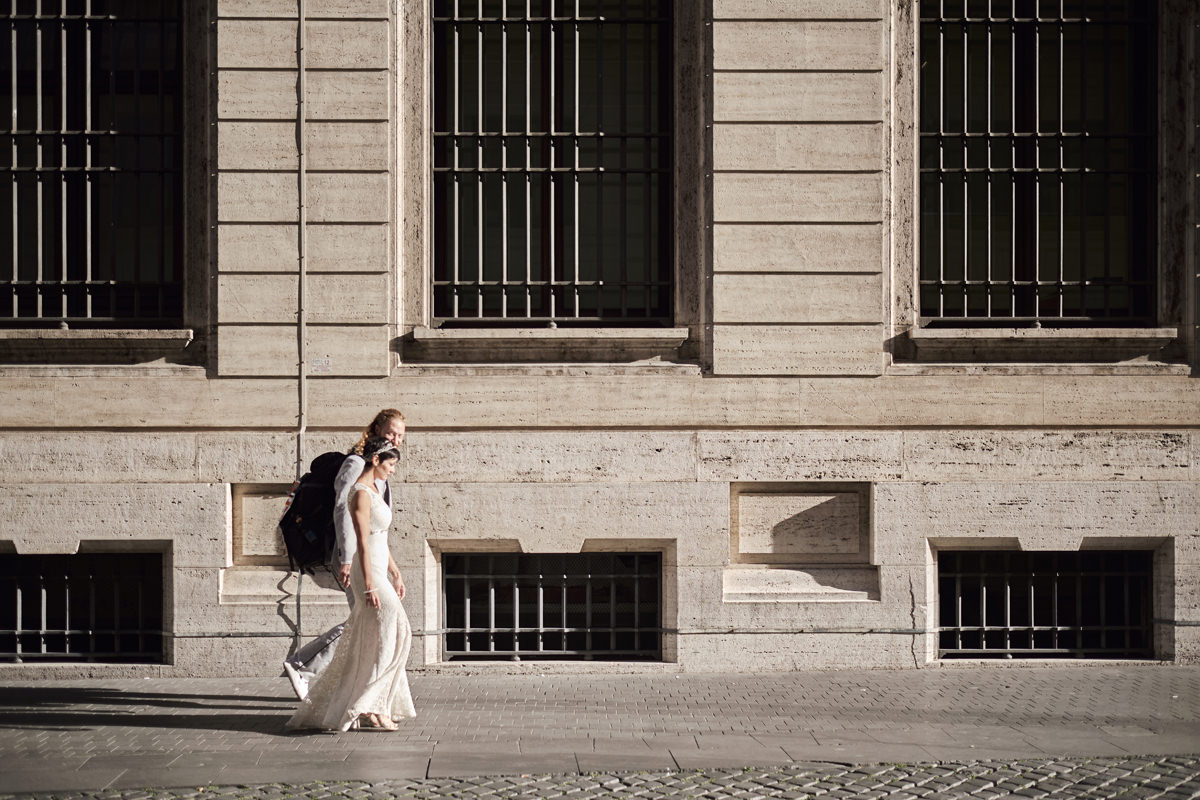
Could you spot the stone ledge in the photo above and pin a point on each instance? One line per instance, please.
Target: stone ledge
(524, 345)
(800, 584)
(96, 346)
(1048, 345)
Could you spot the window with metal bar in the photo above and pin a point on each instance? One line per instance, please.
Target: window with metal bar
(552, 162)
(93, 155)
(1009, 604)
(560, 606)
(100, 607)
(1037, 162)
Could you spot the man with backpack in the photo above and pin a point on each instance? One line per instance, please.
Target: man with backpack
(310, 659)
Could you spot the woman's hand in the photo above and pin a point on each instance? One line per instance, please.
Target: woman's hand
(398, 583)
(372, 595)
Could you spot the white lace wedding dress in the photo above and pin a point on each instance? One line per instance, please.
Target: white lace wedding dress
(366, 675)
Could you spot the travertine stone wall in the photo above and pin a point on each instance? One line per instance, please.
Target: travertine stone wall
(798, 173)
(348, 130)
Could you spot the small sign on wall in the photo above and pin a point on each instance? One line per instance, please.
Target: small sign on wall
(320, 366)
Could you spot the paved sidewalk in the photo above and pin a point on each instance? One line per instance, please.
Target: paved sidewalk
(86, 737)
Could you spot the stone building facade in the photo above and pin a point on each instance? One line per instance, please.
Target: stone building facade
(812, 446)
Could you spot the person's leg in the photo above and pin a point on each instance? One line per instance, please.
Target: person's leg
(302, 666)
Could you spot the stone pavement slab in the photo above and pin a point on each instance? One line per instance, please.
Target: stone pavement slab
(122, 735)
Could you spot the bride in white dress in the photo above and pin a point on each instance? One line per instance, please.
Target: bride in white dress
(365, 686)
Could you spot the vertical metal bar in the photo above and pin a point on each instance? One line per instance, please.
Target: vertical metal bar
(637, 605)
(466, 584)
(116, 628)
(479, 164)
(43, 623)
(1102, 579)
(456, 236)
(612, 611)
(491, 606)
(63, 186)
(1014, 290)
(88, 140)
(575, 161)
(958, 610)
(19, 605)
(966, 208)
(528, 162)
(551, 68)
(1037, 165)
(504, 158)
(1054, 581)
(1062, 161)
(587, 613)
(563, 610)
(1106, 31)
(1083, 216)
(941, 174)
(91, 610)
(648, 273)
(983, 612)
(987, 115)
(38, 128)
(541, 612)
(1079, 610)
(16, 207)
(516, 601)
(623, 181)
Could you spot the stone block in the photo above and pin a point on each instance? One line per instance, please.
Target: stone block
(149, 401)
(256, 94)
(791, 45)
(798, 248)
(799, 586)
(265, 350)
(257, 248)
(1121, 400)
(550, 457)
(257, 44)
(562, 517)
(93, 457)
(799, 456)
(426, 401)
(358, 44)
(348, 197)
(797, 9)
(790, 147)
(348, 146)
(256, 298)
(796, 651)
(257, 197)
(255, 519)
(349, 248)
(795, 525)
(314, 9)
(797, 350)
(797, 299)
(192, 516)
(1046, 455)
(797, 197)
(1041, 516)
(348, 95)
(257, 145)
(797, 96)
(246, 457)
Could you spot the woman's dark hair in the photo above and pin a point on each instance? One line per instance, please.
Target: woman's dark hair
(379, 446)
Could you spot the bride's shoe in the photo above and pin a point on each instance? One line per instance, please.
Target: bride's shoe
(373, 722)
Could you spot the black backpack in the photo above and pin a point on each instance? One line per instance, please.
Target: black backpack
(307, 522)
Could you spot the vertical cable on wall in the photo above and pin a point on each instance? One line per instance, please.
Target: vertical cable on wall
(302, 270)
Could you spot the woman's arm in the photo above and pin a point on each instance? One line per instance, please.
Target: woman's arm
(394, 574)
(360, 507)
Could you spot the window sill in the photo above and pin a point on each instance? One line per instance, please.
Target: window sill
(100, 346)
(1099, 346)
(541, 345)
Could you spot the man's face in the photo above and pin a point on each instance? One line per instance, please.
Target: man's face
(393, 431)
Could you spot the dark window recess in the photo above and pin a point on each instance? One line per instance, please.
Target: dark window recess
(1006, 604)
(552, 606)
(1037, 162)
(91, 153)
(552, 162)
(87, 607)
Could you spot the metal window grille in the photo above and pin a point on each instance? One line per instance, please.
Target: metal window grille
(85, 607)
(1037, 161)
(552, 180)
(1085, 604)
(576, 606)
(93, 159)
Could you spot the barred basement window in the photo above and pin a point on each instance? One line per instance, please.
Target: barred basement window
(538, 606)
(552, 161)
(96, 607)
(1037, 162)
(1081, 604)
(93, 158)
